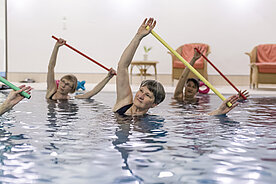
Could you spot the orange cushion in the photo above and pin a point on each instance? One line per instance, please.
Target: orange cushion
(266, 67)
(179, 64)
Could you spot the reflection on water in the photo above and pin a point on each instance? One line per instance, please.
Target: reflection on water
(82, 141)
(64, 110)
(139, 135)
(201, 106)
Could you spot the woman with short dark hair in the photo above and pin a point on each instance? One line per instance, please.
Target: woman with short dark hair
(150, 93)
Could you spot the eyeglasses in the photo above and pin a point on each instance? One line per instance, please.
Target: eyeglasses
(66, 83)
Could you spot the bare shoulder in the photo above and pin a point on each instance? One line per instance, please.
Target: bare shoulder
(126, 101)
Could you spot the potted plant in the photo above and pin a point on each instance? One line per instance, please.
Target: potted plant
(146, 52)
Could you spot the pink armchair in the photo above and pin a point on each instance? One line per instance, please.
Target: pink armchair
(262, 65)
(187, 52)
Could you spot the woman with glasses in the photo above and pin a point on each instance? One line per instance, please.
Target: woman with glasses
(68, 83)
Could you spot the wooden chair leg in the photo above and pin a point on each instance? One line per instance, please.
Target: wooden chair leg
(255, 77)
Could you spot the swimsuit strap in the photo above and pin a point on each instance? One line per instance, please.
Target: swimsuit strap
(51, 97)
(123, 109)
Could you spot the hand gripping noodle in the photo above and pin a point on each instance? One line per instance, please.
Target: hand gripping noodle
(83, 54)
(23, 93)
(221, 74)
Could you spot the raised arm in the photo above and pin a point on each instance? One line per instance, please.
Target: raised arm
(51, 83)
(99, 86)
(124, 93)
(13, 98)
(178, 92)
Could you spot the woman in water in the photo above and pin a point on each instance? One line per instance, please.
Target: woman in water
(68, 83)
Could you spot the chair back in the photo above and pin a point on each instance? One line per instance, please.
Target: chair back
(266, 53)
(266, 58)
(188, 52)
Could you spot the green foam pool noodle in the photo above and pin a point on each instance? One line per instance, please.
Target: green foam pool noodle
(23, 93)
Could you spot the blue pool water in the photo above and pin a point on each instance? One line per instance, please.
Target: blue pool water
(82, 141)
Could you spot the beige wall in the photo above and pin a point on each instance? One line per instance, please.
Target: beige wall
(102, 29)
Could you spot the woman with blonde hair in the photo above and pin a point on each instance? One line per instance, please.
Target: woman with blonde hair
(68, 83)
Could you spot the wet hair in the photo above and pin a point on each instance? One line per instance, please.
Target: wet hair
(73, 79)
(156, 88)
(195, 81)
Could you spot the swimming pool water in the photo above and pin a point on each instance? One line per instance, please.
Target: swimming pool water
(82, 141)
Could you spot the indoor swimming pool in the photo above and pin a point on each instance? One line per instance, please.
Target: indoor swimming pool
(83, 141)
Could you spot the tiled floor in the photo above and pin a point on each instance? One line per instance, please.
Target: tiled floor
(263, 90)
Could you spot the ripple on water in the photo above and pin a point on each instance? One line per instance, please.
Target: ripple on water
(80, 141)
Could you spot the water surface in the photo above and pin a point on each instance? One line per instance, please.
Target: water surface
(82, 141)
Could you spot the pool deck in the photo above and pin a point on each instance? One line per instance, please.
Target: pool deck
(263, 90)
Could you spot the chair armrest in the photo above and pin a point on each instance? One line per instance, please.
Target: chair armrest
(263, 64)
(247, 53)
(174, 58)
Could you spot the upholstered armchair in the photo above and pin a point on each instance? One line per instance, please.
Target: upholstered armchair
(262, 65)
(187, 52)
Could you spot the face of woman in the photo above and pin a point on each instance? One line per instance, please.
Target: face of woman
(144, 98)
(190, 89)
(65, 86)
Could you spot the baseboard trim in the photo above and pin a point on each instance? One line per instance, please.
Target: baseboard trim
(166, 79)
